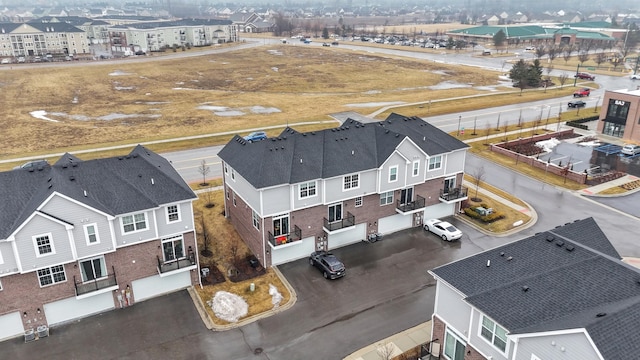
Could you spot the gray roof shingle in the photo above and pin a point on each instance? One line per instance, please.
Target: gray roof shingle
(294, 157)
(556, 280)
(138, 181)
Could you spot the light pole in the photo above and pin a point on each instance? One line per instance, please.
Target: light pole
(595, 109)
(459, 120)
(575, 77)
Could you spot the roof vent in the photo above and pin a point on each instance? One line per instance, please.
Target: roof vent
(50, 185)
(313, 133)
(64, 166)
(510, 258)
(347, 127)
(120, 157)
(284, 138)
(569, 248)
(386, 131)
(85, 193)
(300, 160)
(424, 138)
(397, 135)
(134, 156)
(525, 288)
(353, 152)
(550, 238)
(488, 263)
(72, 178)
(304, 134)
(49, 180)
(74, 165)
(32, 169)
(282, 147)
(559, 243)
(153, 182)
(501, 253)
(333, 130)
(601, 314)
(273, 139)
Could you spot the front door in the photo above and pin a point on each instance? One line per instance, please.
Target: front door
(449, 184)
(406, 196)
(335, 212)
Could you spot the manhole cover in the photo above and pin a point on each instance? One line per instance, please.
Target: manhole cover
(257, 351)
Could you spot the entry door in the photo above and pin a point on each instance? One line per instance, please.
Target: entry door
(93, 269)
(406, 196)
(449, 184)
(335, 212)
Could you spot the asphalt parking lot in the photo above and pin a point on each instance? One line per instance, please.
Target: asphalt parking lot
(386, 281)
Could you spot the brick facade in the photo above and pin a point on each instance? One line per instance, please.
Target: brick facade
(437, 336)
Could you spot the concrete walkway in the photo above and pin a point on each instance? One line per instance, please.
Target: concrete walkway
(395, 345)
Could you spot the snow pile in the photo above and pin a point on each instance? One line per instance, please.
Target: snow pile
(227, 306)
(548, 145)
(276, 297)
(591, 143)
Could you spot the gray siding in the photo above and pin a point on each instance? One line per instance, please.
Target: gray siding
(9, 262)
(123, 239)
(308, 201)
(177, 227)
(413, 153)
(275, 200)
(394, 160)
(243, 189)
(80, 216)
(452, 308)
(334, 187)
(483, 345)
(576, 347)
(39, 225)
(455, 162)
(436, 172)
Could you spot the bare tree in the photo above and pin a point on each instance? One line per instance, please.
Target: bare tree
(583, 56)
(600, 58)
(204, 169)
(548, 70)
(563, 79)
(478, 175)
(552, 53)
(206, 238)
(385, 352)
(540, 52)
(566, 53)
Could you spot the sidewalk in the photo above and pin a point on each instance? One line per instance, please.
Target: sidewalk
(395, 345)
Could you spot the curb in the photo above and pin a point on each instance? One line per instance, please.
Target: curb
(528, 224)
(208, 322)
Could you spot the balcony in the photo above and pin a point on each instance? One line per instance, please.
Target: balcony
(96, 286)
(453, 195)
(179, 265)
(411, 207)
(296, 235)
(346, 222)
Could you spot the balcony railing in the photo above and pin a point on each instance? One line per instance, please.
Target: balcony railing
(189, 261)
(295, 235)
(345, 222)
(453, 194)
(417, 204)
(85, 287)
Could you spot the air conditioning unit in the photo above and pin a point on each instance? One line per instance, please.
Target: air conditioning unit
(43, 331)
(29, 335)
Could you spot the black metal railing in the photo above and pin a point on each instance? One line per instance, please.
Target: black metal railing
(418, 203)
(177, 264)
(347, 221)
(453, 194)
(295, 235)
(85, 287)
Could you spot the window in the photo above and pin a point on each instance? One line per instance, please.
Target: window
(172, 248)
(281, 225)
(135, 222)
(52, 275)
(234, 200)
(233, 174)
(617, 111)
(386, 198)
(0, 285)
(93, 269)
(44, 246)
(173, 213)
(1, 259)
(307, 189)
(256, 219)
(453, 346)
(351, 181)
(358, 201)
(493, 333)
(335, 212)
(393, 173)
(435, 162)
(416, 168)
(91, 234)
(228, 196)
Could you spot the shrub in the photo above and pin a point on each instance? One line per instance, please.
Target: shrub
(495, 216)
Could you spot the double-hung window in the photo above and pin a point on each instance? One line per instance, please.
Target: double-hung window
(256, 219)
(91, 234)
(173, 213)
(435, 162)
(52, 275)
(393, 173)
(416, 168)
(135, 222)
(351, 181)
(493, 333)
(386, 198)
(307, 189)
(43, 244)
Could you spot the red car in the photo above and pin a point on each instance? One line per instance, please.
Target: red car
(584, 76)
(582, 92)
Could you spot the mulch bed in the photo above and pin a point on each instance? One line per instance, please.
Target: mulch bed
(248, 268)
(215, 275)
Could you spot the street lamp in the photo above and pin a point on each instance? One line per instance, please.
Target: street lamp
(459, 120)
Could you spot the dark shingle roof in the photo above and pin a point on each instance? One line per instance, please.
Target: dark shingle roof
(176, 23)
(571, 274)
(138, 181)
(295, 157)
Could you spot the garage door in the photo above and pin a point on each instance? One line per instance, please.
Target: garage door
(11, 325)
(393, 223)
(70, 309)
(348, 236)
(155, 285)
(289, 252)
(439, 211)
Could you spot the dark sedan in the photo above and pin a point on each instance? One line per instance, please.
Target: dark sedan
(328, 264)
(577, 104)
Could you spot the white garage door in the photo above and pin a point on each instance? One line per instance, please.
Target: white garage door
(348, 236)
(393, 223)
(439, 211)
(289, 252)
(155, 285)
(70, 309)
(11, 325)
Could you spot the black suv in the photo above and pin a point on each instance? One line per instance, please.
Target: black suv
(328, 264)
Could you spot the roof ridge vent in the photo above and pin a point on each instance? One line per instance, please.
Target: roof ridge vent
(72, 178)
(559, 243)
(510, 258)
(569, 247)
(601, 314)
(550, 238)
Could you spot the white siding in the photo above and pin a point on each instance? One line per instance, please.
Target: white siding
(395, 160)
(242, 188)
(185, 223)
(293, 251)
(452, 308)
(276, 200)
(350, 235)
(149, 233)
(7, 260)
(308, 201)
(455, 162)
(39, 225)
(334, 187)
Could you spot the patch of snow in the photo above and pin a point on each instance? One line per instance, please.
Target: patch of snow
(212, 108)
(449, 85)
(276, 297)
(548, 145)
(119, 73)
(180, 83)
(229, 113)
(264, 110)
(591, 143)
(370, 92)
(41, 114)
(123, 87)
(376, 104)
(274, 69)
(227, 306)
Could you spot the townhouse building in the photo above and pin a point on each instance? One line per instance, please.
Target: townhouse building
(562, 294)
(39, 39)
(290, 195)
(83, 237)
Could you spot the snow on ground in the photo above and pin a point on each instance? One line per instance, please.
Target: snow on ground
(548, 145)
(589, 143)
(376, 104)
(227, 306)
(41, 114)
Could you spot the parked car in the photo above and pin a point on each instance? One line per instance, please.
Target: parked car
(6, 61)
(256, 136)
(634, 76)
(584, 76)
(576, 104)
(37, 59)
(335, 43)
(443, 229)
(325, 44)
(582, 92)
(21, 59)
(32, 164)
(630, 149)
(328, 264)
(530, 48)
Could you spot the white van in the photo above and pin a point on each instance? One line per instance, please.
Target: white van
(486, 52)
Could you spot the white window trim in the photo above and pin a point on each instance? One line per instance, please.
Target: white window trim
(171, 240)
(233, 175)
(315, 186)
(255, 219)
(226, 170)
(177, 212)
(350, 176)
(355, 202)
(133, 215)
(86, 234)
(106, 270)
(395, 167)
(1, 258)
(35, 244)
(415, 169)
(435, 168)
(1, 284)
(234, 200)
(64, 271)
(493, 332)
(386, 193)
(455, 336)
